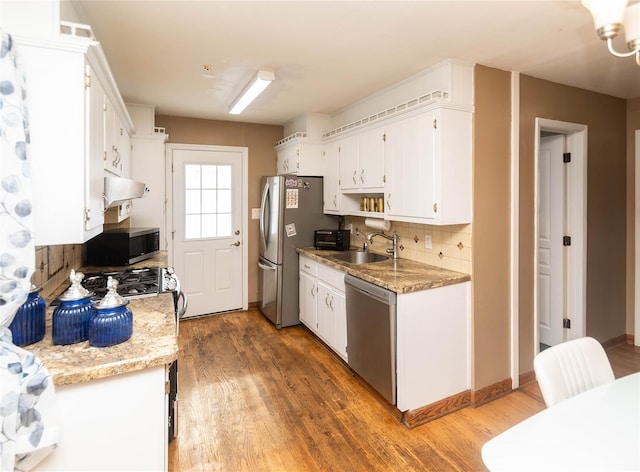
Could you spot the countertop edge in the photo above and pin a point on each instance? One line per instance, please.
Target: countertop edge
(400, 275)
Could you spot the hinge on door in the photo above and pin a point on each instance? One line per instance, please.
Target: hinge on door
(566, 157)
(435, 208)
(384, 137)
(87, 216)
(435, 123)
(87, 80)
(384, 179)
(566, 240)
(566, 323)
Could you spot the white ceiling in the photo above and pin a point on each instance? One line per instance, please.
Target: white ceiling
(329, 54)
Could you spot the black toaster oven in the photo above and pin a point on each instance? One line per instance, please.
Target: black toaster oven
(333, 239)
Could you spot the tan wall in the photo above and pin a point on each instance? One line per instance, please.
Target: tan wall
(260, 139)
(633, 123)
(491, 227)
(605, 117)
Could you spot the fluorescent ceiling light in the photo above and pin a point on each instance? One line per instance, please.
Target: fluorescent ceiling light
(254, 88)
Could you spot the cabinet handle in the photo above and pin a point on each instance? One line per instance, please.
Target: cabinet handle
(326, 300)
(362, 176)
(354, 177)
(313, 291)
(307, 266)
(335, 201)
(331, 303)
(389, 201)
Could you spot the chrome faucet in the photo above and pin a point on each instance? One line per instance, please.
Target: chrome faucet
(393, 238)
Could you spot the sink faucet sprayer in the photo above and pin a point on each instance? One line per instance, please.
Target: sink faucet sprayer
(393, 238)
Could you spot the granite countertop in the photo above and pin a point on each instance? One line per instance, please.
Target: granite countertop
(153, 342)
(400, 275)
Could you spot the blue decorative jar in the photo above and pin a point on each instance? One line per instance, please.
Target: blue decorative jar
(70, 321)
(28, 324)
(112, 321)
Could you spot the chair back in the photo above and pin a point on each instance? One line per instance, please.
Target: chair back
(572, 367)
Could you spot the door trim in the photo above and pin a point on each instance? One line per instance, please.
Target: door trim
(244, 152)
(576, 139)
(636, 302)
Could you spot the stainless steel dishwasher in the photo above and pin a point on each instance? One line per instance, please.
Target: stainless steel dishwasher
(371, 334)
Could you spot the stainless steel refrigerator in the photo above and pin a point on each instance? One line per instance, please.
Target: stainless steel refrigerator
(290, 211)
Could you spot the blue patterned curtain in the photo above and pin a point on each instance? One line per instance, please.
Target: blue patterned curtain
(28, 422)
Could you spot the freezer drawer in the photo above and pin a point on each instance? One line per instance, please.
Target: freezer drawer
(270, 283)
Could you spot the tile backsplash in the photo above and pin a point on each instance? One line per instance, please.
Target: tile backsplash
(53, 264)
(450, 245)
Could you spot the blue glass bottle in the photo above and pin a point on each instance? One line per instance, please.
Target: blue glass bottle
(70, 321)
(112, 321)
(28, 324)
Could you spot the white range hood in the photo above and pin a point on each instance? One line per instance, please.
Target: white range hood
(118, 190)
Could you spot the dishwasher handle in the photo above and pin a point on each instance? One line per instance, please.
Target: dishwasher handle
(381, 294)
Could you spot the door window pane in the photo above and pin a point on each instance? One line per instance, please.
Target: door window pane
(207, 201)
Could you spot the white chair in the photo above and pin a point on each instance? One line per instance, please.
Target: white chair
(570, 368)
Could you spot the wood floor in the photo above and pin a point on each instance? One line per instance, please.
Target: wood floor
(253, 398)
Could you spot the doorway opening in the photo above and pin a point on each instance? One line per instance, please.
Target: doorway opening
(560, 232)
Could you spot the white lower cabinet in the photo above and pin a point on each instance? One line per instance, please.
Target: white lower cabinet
(322, 303)
(433, 345)
(113, 423)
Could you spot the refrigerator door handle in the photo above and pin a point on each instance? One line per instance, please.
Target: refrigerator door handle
(263, 209)
(266, 267)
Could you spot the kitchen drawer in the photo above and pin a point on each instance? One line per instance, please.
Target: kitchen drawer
(331, 276)
(308, 265)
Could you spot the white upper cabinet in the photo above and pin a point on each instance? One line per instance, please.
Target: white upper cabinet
(428, 160)
(67, 78)
(362, 162)
(300, 158)
(331, 181)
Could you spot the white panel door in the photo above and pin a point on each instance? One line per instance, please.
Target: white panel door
(207, 222)
(551, 280)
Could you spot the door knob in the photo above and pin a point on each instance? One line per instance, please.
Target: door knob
(237, 243)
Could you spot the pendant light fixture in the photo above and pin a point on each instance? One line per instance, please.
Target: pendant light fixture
(255, 87)
(610, 16)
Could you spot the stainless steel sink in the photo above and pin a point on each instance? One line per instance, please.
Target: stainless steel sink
(360, 257)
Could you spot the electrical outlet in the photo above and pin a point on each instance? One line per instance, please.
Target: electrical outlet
(255, 213)
(427, 241)
(349, 227)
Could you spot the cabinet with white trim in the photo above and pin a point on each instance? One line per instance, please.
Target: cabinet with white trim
(331, 182)
(67, 78)
(362, 162)
(428, 168)
(433, 345)
(300, 158)
(323, 304)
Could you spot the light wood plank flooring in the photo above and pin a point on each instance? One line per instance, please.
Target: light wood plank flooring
(253, 398)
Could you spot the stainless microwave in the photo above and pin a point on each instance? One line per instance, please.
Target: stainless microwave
(121, 247)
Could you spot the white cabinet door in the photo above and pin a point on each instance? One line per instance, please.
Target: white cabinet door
(326, 317)
(331, 183)
(371, 160)
(287, 161)
(409, 160)
(95, 130)
(299, 158)
(349, 167)
(428, 165)
(308, 301)
(123, 145)
(340, 321)
(362, 162)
